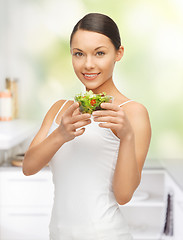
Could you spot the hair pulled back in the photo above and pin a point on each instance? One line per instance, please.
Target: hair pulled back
(100, 23)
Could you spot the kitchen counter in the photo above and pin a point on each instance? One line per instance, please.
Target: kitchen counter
(16, 131)
(153, 164)
(174, 167)
(149, 164)
(9, 167)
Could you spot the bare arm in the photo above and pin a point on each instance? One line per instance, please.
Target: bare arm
(134, 133)
(132, 154)
(39, 155)
(43, 148)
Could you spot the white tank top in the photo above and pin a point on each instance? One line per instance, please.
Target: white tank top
(84, 206)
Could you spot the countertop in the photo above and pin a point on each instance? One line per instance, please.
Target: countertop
(174, 168)
(16, 131)
(153, 164)
(149, 164)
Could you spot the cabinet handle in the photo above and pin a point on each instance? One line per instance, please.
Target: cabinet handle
(28, 214)
(27, 180)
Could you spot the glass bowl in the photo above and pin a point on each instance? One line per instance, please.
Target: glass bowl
(88, 104)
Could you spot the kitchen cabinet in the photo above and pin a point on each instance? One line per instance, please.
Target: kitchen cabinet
(145, 212)
(20, 223)
(25, 201)
(19, 189)
(25, 204)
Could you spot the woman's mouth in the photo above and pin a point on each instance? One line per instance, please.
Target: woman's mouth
(90, 76)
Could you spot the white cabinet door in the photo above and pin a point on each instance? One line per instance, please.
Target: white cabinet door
(24, 223)
(18, 189)
(25, 205)
(145, 213)
(144, 222)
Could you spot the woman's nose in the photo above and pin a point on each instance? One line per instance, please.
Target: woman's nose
(89, 63)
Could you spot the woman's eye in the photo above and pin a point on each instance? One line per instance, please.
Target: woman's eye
(100, 53)
(78, 54)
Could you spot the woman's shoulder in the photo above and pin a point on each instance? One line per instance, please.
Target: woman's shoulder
(60, 102)
(57, 105)
(130, 105)
(136, 112)
(134, 105)
(48, 120)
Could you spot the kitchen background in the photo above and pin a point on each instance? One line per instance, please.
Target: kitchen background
(34, 49)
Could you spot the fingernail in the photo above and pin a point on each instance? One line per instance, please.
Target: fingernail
(102, 105)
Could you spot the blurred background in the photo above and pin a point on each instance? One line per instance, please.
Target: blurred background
(34, 48)
(34, 51)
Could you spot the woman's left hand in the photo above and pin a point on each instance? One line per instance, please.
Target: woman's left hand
(115, 119)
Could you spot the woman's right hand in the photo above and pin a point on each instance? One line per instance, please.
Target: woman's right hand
(71, 120)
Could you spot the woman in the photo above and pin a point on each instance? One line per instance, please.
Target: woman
(99, 165)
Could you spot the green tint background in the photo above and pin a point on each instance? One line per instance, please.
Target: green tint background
(150, 72)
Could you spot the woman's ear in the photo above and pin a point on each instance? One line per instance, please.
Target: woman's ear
(120, 53)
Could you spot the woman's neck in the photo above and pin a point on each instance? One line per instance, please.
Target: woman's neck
(108, 87)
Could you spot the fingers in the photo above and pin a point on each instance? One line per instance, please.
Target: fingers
(80, 124)
(107, 119)
(79, 117)
(105, 113)
(79, 132)
(110, 106)
(108, 125)
(76, 112)
(73, 115)
(72, 109)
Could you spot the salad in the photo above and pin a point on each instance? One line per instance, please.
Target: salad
(89, 102)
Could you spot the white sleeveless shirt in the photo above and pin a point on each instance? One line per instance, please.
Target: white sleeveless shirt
(85, 207)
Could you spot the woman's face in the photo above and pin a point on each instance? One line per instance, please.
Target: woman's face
(93, 58)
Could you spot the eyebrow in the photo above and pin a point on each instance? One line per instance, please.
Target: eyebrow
(95, 48)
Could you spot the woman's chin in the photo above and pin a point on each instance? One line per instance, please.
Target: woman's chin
(91, 85)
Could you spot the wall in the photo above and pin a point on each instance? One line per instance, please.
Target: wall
(2, 42)
(37, 52)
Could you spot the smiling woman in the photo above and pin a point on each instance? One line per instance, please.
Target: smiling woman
(93, 58)
(95, 166)
(95, 45)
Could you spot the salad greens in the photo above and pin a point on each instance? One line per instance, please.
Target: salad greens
(89, 102)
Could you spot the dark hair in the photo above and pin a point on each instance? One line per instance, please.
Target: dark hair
(99, 23)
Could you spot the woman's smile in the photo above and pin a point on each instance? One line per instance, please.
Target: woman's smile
(90, 76)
